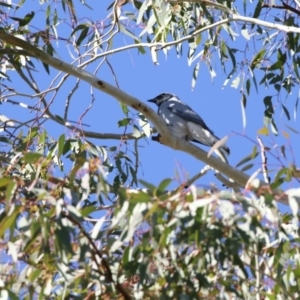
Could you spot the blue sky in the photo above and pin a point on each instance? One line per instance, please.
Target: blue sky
(138, 76)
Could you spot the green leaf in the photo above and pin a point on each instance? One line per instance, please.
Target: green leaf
(34, 275)
(133, 175)
(248, 157)
(292, 129)
(124, 30)
(9, 193)
(257, 59)
(232, 56)
(149, 186)
(26, 20)
(82, 36)
(140, 197)
(34, 132)
(195, 75)
(5, 181)
(276, 78)
(127, 255)
(80, 27)
(248, 85)
(296, 68)
(247, 167)
(46, 67)
(63, 3)
(286, 112)
(48, 10)
(124, 122)
(142, 10)
(257, 11)
(43, 137)
(161, 189)
(67, 147)
(141, 49)
(55, 18)
(12, 296)
(124, 108)
(6, 140)
(282, 149)
(88, 210)
(61, 145)
(32, 157)
(280, 62)
(62, 239)
(283, 175)
(267, 76)
(9, 220)
(149, 25)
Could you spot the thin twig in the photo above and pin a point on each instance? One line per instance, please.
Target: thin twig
(203, 171)
(283, 6)
(69, 99)
(136, 166)
(264, 160)
(257, 272)
(103, 267)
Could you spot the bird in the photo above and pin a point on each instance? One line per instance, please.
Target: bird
(185, 123)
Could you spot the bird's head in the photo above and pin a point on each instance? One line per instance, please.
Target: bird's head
(158, 100)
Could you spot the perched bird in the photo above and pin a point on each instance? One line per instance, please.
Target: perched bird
(186, 123)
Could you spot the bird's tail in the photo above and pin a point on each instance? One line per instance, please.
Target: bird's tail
(225, 149)
(220, 153)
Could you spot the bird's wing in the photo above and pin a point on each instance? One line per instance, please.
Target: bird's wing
(186, 113)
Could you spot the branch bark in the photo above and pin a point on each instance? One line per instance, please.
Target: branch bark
(166, 137)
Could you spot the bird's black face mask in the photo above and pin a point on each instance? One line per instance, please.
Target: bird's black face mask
(161, 98)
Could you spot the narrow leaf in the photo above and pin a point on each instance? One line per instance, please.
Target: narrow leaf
(286, 112)
(195, 75)
(32, 157)
(61, 145)
(248, 157)
(217, 145)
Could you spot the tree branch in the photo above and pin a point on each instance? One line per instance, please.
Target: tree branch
(233, 18)
(103, 136)
(81, 132)
(103, 265)
(166, 137)
(283, 6)
(14, 52)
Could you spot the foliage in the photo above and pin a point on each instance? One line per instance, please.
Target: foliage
(74, 225)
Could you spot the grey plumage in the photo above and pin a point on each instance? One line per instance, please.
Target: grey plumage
(186, 123)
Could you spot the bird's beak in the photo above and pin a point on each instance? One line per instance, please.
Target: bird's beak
(152, 100)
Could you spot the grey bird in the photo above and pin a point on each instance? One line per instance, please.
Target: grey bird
(185, 123)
